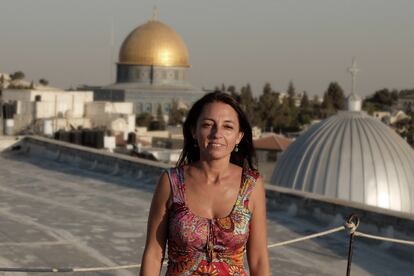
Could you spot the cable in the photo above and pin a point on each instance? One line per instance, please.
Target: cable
(360, 234)
(312, 236)
(316, 235)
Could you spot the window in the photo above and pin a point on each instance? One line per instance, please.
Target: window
(167, 108)
(138, 107)
(148, 107)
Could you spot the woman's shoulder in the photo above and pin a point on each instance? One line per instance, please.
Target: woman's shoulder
(174, 170)
(252, 173)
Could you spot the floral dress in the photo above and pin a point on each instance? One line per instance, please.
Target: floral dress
(202, 246)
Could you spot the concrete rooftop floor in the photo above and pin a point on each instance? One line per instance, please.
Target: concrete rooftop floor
(54, 215)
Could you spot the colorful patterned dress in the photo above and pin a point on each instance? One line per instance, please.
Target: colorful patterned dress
(202, 246)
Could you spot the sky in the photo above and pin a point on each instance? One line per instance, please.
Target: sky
(310, 43)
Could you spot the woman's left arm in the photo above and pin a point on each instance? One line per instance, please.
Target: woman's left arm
(257, 254)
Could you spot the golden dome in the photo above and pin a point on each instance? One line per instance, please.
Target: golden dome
(154, 43)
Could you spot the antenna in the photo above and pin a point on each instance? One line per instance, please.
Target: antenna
(111, 50)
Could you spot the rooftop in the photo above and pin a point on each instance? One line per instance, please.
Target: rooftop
(272, 142)
(58, 215)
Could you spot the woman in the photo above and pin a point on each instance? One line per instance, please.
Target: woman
(211, 207)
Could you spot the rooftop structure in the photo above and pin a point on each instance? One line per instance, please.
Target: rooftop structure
(67, 206)
(272, 142)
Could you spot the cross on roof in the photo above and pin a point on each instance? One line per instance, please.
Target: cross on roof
(354, 71)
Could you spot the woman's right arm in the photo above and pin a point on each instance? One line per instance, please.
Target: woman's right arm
(157, 229)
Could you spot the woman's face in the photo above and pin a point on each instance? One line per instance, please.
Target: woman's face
(217, 131)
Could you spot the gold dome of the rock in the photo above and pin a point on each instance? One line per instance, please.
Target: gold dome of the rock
(154, 43)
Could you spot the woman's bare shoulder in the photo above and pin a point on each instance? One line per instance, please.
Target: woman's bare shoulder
(163, 190)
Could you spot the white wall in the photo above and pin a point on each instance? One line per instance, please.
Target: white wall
(99, 108)
(52, 102)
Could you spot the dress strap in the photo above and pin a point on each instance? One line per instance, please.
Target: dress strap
(176, 176)
(249, 181)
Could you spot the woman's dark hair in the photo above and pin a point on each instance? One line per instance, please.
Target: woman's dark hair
(245, 156)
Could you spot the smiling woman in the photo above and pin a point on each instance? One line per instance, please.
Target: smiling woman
(211, 207)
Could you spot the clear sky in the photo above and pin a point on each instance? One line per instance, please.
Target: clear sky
(234, 41)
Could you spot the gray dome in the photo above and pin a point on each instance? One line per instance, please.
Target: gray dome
(351, 156)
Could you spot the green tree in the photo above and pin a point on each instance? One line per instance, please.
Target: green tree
(176, 114)
(143, 119)
(333, 99)
(304, 102)
(369, 107)
(382, 99)
(305, 112)
(336, 93)
(233, 92)
(268, 111)
(18, 75)
(291, 94)
(43, 81)
(231, 89)
(288, 118)
(160, 118)
(249, 104)
(316, 108)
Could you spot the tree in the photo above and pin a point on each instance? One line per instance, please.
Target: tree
(248, 103)
(382, 99)
(231, 89)
(304, 102)
(316, 107)
(233, 92)
(333, 99)
(143, 119)
(160, 118)
(18, 75)
(268, 108)
(43, 82)
(369, 107)
(305, 112)
(176, 114)
(291, 94)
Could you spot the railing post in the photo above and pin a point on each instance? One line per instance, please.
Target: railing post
(351, 224)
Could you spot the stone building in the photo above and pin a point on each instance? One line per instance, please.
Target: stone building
(44, 110)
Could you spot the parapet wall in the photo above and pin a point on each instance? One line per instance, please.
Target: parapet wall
(330, 212)
(87, 158)
(326, 211)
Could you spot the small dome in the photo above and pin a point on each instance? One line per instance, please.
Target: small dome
(154, 43)
(351, 156)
